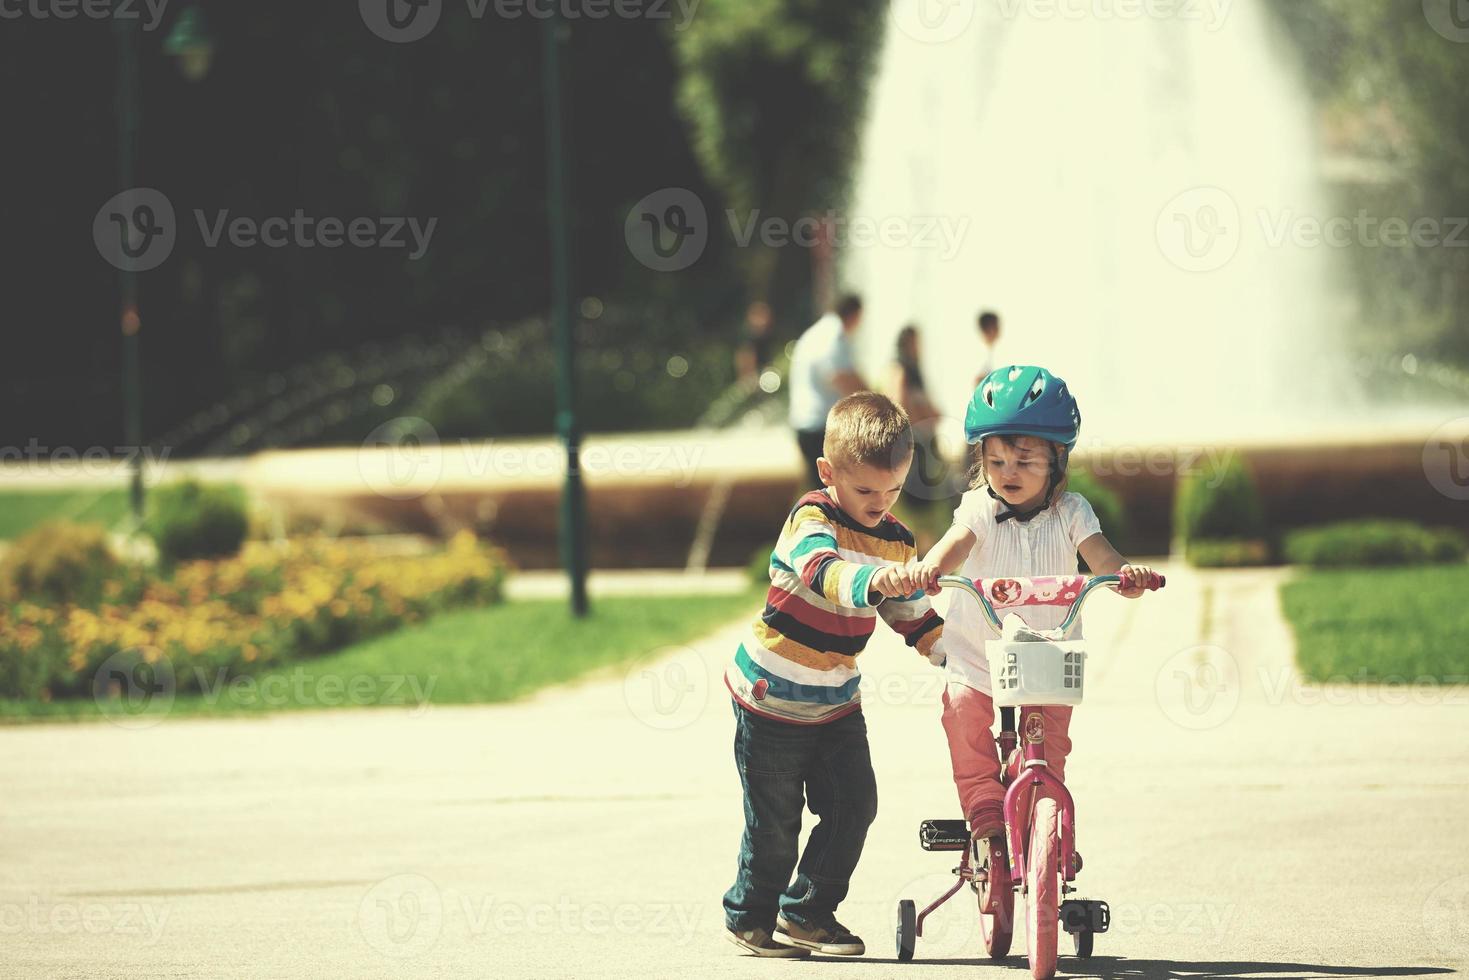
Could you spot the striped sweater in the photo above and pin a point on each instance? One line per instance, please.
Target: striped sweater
(799, 662)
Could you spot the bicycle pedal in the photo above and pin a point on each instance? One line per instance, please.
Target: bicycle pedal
(943, 835)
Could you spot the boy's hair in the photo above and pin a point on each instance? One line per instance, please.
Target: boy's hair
(848, 306)
(1059, 460)
(989, 320)
(867, 428)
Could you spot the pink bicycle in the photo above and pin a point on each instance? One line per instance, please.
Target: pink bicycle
(1037, 854)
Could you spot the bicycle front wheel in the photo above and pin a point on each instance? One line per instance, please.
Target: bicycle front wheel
(1042, 878)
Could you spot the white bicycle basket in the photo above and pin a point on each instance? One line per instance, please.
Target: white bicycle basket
(1036, 672)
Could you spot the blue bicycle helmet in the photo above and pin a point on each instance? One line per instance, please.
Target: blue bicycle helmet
(1022, 400)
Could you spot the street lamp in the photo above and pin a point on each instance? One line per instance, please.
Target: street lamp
(573, 511)
(192, 44)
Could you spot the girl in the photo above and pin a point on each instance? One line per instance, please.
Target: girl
(1017, 519)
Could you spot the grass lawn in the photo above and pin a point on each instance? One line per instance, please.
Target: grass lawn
(21, 510)
(475, 656)
(1393, 624)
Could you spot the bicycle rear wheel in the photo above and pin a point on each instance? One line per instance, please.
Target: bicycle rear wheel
(997, 904)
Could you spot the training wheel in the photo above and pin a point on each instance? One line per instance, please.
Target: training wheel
(1082, 941)
(907, 929)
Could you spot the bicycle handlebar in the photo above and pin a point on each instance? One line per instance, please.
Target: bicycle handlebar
(1067, 590)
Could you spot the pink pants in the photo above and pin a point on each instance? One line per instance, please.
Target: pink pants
(969, 716)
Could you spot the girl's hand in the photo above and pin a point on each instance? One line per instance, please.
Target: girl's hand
(1137, 579)
(924, 575)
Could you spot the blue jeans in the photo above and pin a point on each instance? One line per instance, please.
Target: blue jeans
(782, 768)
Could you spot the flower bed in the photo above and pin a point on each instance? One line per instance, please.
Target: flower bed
(266, 605)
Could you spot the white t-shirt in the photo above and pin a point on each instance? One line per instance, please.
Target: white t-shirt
(823, 350)
(1046, 545)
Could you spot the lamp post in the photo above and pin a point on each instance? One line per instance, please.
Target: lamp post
(191, 44)
(573, 511)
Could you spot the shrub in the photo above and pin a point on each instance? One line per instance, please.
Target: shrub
(1227, 552)
(1107, 504)
(57, 562)
(759, 567)
(190, 520)
(1226, 505)
(1373, 542)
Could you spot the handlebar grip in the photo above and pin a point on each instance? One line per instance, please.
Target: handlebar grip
(1162, 580)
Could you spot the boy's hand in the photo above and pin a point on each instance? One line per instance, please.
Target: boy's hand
(888, 582)
(915, 576)
(1138, 579)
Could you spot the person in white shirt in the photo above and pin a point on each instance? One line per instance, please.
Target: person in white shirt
(1017, 521)
(823, 372)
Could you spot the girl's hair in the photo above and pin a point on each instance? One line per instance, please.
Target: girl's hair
(1060, 472)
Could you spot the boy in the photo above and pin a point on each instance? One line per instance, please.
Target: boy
(799, 728)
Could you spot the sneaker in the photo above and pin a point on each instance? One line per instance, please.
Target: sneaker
(757, 942)
(830, 937)
(988, 821)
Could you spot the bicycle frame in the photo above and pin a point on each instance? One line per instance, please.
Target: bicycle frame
(1034, 775)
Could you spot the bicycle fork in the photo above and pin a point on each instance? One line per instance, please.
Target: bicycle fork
(1025, 785)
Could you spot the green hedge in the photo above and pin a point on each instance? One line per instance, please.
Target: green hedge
(189, 520)
(1107, 504)
(1227, 552)
(1373, 542)
(1225, 505)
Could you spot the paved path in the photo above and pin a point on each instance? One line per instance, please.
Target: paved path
(1240, 824)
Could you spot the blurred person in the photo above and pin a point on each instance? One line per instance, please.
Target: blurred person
(800, 736)
(753, 356)
(927, 477)
(989, 335)
(822, 372)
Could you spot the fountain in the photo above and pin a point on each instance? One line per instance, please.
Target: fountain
(1129, 190)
